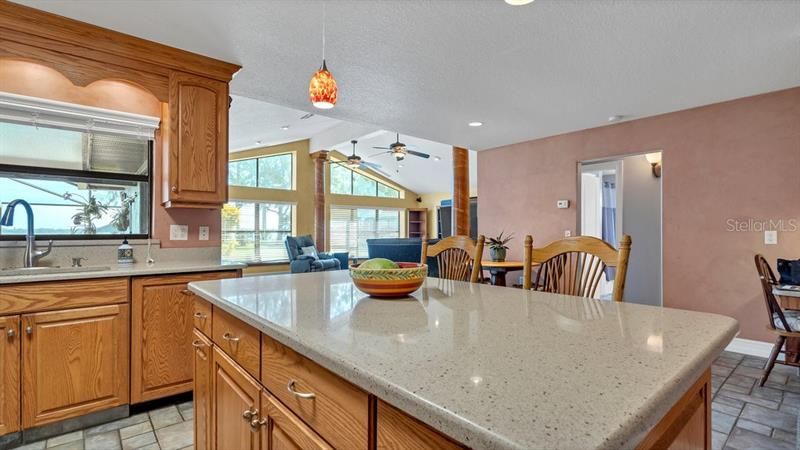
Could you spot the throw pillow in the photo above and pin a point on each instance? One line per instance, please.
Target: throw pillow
(310, 251)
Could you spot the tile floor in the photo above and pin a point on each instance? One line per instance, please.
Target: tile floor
(166, 428)
(744, 415)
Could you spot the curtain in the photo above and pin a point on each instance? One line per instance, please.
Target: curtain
(610, 216)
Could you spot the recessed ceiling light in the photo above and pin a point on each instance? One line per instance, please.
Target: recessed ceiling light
(285, 127)
(518, 2)
(437, 158)
(475, 124)
(399, 165)
(616, 118)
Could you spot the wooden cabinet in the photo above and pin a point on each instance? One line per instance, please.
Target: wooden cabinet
(73, 362)
(397, 430)
(334, 408)
(51, 295)
(161, 334)
(239, 340)
(196, 157)
(9, 374)
(282, 430)
(235, 397)
(203, 352)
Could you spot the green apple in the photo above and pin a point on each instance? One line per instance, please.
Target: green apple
(378, 263)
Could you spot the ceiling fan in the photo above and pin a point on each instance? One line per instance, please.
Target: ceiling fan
(399, 150)
(354, 162)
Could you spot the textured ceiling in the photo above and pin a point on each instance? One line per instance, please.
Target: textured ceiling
(426, 68)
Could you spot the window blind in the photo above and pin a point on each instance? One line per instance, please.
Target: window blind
(350, 228)
(54, 114)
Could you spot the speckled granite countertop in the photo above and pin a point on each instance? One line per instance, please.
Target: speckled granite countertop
(126, 270)
(492, 367)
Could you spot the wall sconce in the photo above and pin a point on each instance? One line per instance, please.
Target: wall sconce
(655, 160)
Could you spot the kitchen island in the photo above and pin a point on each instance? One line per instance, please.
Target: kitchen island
(486, 366)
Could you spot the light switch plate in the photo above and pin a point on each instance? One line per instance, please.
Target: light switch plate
(203, 233)
(562, 204)
(771, 237)
(178, 232)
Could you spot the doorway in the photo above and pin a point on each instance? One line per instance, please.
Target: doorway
(622, 195)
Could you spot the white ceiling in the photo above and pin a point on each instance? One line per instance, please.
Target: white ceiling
(427, 68)
(423, 176)
(254, 123)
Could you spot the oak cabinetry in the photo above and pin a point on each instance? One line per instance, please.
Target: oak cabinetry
(336, 409)
(235, 397)
(237, 339)
(161, 334)
(50, 295)
(201, 315)
(9, 374)
(73, 362)
(196, 160)
(203, 353)
(285, 431)
(397, 430)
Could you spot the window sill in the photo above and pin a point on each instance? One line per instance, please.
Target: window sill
(280, 262)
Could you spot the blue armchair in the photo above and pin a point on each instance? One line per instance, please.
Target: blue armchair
(301, 263)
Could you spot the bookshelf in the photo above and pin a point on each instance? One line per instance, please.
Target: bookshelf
(417, 222)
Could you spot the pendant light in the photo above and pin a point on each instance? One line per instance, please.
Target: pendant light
(322, 90)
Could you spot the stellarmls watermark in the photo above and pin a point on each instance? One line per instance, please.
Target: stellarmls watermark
(758, 225)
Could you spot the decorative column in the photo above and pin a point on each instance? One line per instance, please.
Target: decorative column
(320, 225)
(460, 191)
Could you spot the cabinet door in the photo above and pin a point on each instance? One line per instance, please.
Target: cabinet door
(235, 402)
(9, 374)
(161, 336)
(202, 390)
(74, 362)
(282, 430)
(196, 165)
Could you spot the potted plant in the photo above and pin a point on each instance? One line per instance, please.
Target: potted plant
(497, 246)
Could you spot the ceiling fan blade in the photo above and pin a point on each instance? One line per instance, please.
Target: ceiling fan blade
(382, 148)
(420, 154)
(378, 154)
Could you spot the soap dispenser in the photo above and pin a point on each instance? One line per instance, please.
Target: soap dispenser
(125, 253)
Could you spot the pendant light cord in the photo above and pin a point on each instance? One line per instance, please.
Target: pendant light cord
(323, 31)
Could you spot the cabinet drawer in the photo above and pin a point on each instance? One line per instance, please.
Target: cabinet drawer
(201, 315)
(238, 339)
(52, 295)
(334, 408)
(396, 429)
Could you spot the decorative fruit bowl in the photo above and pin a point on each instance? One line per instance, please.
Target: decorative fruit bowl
(385, 279)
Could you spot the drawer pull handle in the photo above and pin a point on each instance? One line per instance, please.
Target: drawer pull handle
(186, 292)
(250, 413)
(198, 343)
(200, 315)
(229, 337)
(306, 395)
(255, 424)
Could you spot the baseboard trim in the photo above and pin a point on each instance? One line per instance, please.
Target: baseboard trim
(751, 347)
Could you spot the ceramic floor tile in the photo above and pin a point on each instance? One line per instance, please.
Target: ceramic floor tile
(747, 440)
(722, 423)
(134, 430)
(33, 446)
(64, 438)
(103, 441)
(754, 427)
(139, 441)
(73, 445)
(175, 437)
(165, 416)
(117, 424)
(718, 440)
(769, 417)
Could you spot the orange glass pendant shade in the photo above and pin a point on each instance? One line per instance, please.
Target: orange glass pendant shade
(322, 90)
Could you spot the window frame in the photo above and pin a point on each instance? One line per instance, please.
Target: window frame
(51, 172)
(353, 173)
(292, 182)
(258, 230)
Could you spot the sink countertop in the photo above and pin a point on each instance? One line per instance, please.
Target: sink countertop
(491, 367)
(124, 270)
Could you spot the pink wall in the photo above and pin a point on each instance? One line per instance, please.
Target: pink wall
(735, 160)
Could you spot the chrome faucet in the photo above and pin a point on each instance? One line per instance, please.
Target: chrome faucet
(32, 255)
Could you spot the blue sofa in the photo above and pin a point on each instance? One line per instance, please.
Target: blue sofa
(402, 250)
(300, 263)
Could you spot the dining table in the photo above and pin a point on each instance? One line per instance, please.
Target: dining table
(499, 269)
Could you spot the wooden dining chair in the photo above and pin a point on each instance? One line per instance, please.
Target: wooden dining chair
(574, 266)
(457, 257)
(785, 324)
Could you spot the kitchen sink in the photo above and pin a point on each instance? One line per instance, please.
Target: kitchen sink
(17, 271)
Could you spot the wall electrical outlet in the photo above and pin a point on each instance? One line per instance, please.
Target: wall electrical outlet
(562, 204)
(771, 237)
(203, 233)
(567, 233)
(178, 232)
